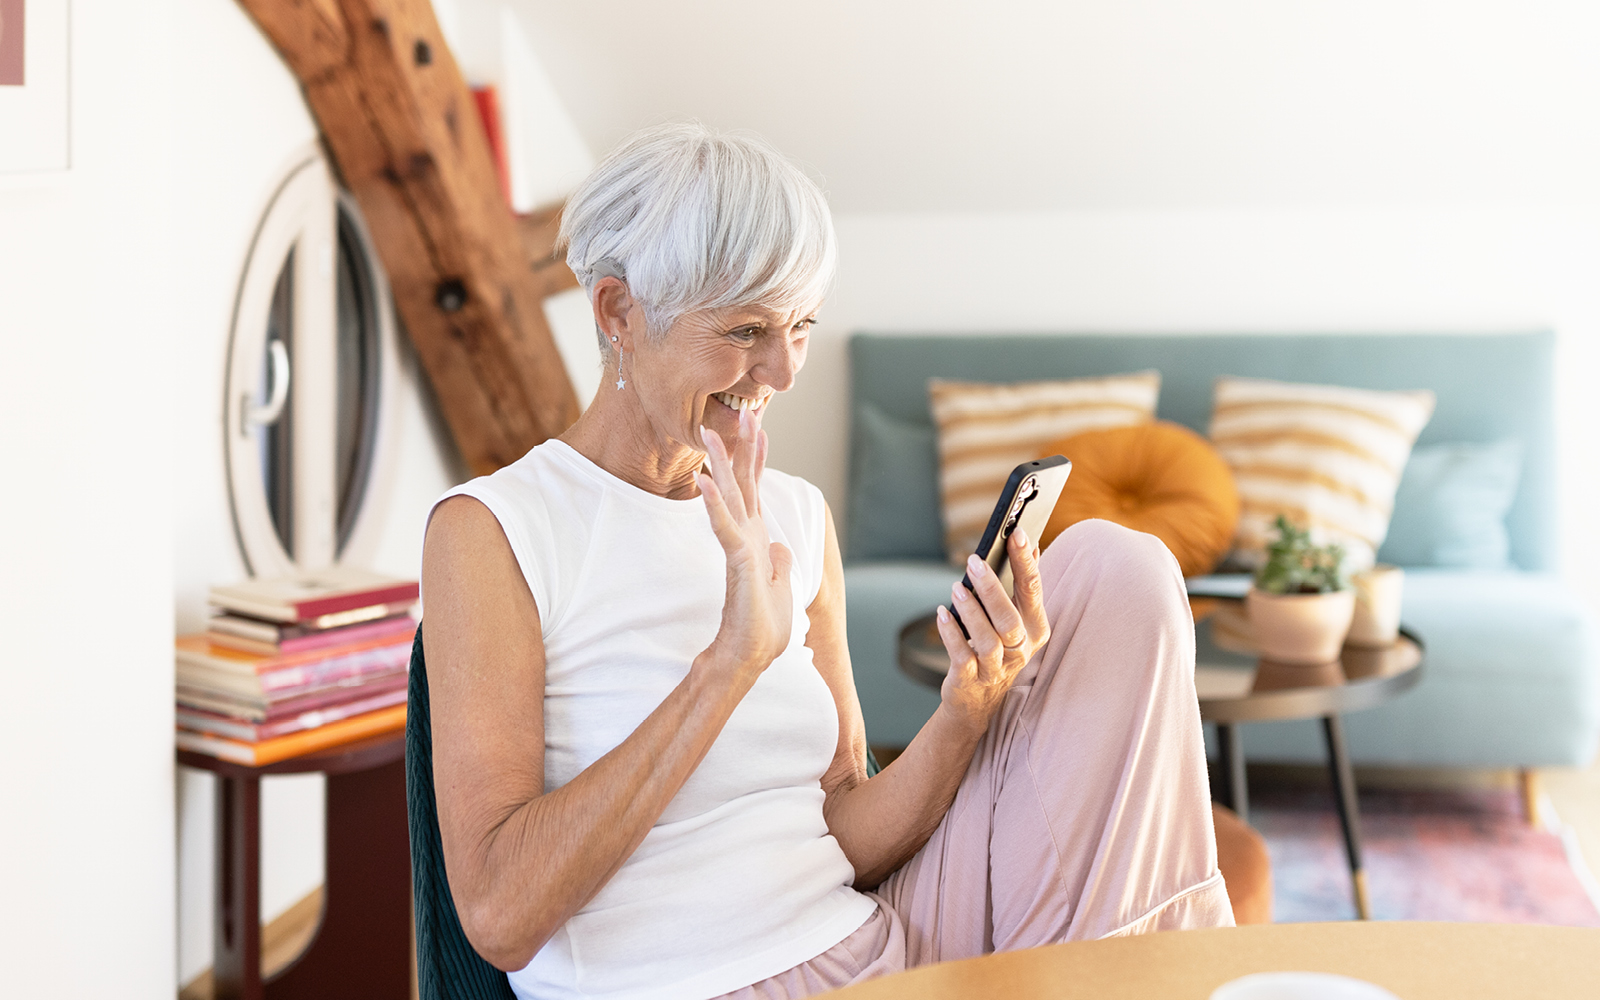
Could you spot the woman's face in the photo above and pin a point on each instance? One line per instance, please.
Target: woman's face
(714, 362)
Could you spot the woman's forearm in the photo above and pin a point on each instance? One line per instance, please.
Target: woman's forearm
(880, 823)
(549, 855)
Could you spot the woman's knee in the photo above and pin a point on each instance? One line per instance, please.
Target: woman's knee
(1114, 557)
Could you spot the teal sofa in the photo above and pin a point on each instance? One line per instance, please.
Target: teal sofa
(1512, 676)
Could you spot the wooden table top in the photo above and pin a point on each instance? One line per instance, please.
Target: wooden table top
(1415, 961)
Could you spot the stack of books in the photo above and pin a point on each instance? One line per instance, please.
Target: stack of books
(292, 665)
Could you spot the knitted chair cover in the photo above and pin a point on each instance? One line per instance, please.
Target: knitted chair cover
(448, 968)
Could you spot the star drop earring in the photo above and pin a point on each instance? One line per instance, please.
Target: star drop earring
(620, 380)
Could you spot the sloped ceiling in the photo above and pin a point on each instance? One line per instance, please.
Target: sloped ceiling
(1029, 105)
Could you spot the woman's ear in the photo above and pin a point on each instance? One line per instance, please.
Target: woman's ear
(616, 313)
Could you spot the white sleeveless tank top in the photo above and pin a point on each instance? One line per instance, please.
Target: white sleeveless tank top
(739, 879)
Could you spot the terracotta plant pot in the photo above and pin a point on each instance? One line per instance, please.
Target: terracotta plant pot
(1300, 628)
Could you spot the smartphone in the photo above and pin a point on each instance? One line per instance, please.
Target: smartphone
(1027, 501)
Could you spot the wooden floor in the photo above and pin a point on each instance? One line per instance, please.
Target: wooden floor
(1575, 795)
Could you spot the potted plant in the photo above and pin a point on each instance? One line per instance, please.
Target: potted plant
(1301, 604)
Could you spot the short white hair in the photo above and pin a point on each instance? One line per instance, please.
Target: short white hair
(694, 219)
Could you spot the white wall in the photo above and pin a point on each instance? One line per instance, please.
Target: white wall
(90, 305)
(1047, 105)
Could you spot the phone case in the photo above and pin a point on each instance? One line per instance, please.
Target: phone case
(1029, 498)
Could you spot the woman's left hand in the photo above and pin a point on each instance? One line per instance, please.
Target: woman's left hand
(1005, 634)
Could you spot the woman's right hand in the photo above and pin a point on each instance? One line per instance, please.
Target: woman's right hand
(1004, 633)
(758, 611)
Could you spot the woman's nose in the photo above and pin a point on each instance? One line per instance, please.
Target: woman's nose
(778, 366)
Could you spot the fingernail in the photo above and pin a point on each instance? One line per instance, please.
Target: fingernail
(974, 564)
(1021, 537)
(943, 615)
(958, 592)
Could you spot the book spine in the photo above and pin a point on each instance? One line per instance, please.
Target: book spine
(350, 633)
(366, 661)
(221, 725)
(198, 650)
(319, 606)
(487, 98)
(216, 746)
(227, 640)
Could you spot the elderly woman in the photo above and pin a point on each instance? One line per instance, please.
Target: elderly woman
(649, 758)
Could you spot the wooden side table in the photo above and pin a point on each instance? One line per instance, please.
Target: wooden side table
(362, 946)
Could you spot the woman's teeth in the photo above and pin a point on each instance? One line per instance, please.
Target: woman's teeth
(739, 403)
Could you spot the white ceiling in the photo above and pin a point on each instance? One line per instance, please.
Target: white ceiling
(1026, 105)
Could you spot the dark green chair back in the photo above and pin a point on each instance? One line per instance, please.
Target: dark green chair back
(448, 967)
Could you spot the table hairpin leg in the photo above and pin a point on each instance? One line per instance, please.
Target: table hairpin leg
(1344, 794)
(1234, 789)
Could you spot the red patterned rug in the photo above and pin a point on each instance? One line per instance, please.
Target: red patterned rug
(1430, 855)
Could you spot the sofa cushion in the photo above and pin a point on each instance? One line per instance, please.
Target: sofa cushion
(894, 509)
(987, 429)
(1327, 457)
(1450, 509)
(1161, 478)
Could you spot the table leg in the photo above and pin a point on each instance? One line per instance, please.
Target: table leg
(362, 947)
(1344, 793)
(236, 915)
(1234, 789)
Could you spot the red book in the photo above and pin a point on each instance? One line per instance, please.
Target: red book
(487, 98)
(223, 632)
(255, 732)
(338, 590)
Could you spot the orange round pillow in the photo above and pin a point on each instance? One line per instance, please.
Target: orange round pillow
(1160, 477)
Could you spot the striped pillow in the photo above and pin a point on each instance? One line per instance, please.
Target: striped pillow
(986, 430)
(1325, 456)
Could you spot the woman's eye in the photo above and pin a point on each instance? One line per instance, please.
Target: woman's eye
(804, 326)
(744, 334)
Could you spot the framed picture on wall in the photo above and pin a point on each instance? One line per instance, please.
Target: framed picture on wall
(35, 120)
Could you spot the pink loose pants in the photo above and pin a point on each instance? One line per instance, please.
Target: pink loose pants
(1085, 812)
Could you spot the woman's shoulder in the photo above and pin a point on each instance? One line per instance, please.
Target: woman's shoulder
(532, 494)
(541, 501)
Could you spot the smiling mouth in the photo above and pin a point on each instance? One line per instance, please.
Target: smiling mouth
(739, 404)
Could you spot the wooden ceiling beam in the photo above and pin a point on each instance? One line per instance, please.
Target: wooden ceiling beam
(538, 230)
(404, 135)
